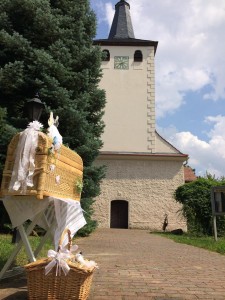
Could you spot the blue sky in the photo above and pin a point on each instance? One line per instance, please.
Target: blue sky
(190, 72)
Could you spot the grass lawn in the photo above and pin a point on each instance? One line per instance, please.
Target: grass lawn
(206, 242)
(21, 259)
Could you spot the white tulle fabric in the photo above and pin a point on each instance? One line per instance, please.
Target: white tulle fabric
(24, 166)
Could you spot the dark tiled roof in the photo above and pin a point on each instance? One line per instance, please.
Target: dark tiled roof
(121, 33)
(125, 42)
(122, 26)
(189, 174)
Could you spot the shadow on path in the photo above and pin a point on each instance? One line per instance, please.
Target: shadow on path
(17, 296)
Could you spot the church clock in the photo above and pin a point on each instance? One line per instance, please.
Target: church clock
(121, 62)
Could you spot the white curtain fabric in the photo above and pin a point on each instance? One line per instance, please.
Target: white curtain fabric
(65, 213)
(69, 214)
(24, 166)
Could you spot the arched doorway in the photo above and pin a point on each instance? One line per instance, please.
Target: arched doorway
(119, 214)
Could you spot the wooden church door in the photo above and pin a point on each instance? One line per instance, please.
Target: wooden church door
(119, 214)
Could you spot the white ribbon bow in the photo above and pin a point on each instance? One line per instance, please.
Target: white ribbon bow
(59, 259)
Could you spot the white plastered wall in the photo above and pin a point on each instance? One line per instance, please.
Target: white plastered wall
(130, 108)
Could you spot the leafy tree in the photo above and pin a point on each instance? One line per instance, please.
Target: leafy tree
(6, 133)
(196, 200)
(46, 46)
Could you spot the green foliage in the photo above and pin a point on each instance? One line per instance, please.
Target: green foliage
(79, 185)
(91, 189)
(91, 224)
(196, 200)
(46, 46)
(6, 133)
(21, 259)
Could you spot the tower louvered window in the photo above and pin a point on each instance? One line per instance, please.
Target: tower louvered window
(138, 55)
(105, 55)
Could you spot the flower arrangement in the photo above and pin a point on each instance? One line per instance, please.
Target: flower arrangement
(79, 185)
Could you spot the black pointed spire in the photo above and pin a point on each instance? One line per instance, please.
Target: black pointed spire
(122, 26)
(121, 33)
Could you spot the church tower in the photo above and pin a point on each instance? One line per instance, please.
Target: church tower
(129, 81)
(143, 169)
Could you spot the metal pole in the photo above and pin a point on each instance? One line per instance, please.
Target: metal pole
(214, 227)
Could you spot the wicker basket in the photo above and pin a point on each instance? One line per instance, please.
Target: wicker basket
(75, 285)
(68, 166)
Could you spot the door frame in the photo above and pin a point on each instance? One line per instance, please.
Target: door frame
(110, 215)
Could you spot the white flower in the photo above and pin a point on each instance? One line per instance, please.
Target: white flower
(52, 167)
(57, 179)
(35, 125)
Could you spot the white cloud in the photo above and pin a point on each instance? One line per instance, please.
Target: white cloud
(219, 127)
(191, 47)
(204, 156)
(109, 13)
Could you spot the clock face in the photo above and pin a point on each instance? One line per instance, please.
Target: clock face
(121, 62)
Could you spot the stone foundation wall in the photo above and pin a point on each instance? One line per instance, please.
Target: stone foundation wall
(148, 186)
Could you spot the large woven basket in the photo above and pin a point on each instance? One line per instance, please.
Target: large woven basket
(68, 166)
(75, 285)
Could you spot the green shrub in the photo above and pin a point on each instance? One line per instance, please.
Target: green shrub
(196, 200)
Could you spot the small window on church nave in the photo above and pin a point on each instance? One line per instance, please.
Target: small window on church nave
(138, 55)
(105, 55)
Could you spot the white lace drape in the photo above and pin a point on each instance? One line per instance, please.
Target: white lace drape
(24, 166)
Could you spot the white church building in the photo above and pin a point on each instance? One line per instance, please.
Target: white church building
(143, 169)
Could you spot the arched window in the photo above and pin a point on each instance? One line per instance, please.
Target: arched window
(138, 55)
(105, 55)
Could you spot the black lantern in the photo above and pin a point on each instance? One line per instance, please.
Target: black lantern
(35, 107)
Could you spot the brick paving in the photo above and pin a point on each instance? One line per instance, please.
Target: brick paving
(136, 265)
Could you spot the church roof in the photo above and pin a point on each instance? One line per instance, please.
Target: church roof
(146, 155)
(126, 42)
(122, 26)
(121, 32)
(189, 174)
(163, 146)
